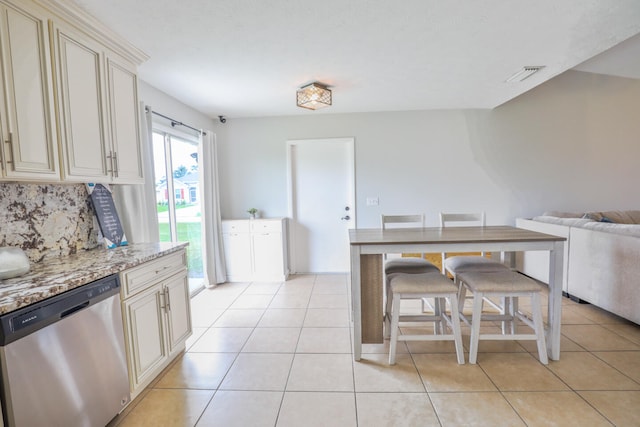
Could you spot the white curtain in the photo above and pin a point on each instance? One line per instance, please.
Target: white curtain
(212, 253)
(136, 204)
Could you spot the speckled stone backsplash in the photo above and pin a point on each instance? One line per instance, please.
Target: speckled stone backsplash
(46, 220)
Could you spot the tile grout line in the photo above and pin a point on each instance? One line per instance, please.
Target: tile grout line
(314, 287)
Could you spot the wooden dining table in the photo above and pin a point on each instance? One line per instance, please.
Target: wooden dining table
(368, 245)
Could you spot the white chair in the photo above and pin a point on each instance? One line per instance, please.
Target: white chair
(455, 265)
(420, 286)
(405, 265)
(459, 264)
(505, 284)
(410, 265)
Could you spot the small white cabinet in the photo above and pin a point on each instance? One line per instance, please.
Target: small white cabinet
(29, 148)
(157, 316)
(256, 249)
(236, 240)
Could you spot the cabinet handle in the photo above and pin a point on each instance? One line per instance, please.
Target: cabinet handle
(115, 163)
(2, 157)
(162, 269)
(110, 157)
(10, 142)
(167, 305)
(163, 304)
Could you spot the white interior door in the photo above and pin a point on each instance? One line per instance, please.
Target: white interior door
(322, 204)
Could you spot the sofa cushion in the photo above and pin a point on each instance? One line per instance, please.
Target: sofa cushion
(619, 217)
(560, 214)
(567, 221)
(624, 229)
(593, 216)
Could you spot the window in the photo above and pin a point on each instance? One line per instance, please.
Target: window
(176, 172)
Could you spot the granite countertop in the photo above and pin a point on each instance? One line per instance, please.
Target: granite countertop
(57, 275)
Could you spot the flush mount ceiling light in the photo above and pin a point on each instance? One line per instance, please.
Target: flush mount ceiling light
(525, 73)
(313, 96)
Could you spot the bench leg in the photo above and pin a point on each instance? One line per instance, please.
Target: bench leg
(476, 318)
(536, 313)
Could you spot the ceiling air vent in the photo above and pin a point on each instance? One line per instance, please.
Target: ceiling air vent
(525, 73)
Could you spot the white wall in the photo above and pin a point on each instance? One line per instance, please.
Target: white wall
(572, 143)
(171, 107)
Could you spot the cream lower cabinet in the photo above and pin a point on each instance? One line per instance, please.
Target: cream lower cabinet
(157, 316)
(255, 250)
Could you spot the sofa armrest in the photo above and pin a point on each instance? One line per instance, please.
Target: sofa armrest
(536, 263)
(604, 271)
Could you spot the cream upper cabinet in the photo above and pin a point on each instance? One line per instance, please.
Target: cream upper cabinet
(124, 123)
(98, 105)
(69, 114)
(29, 149)
(82, 106)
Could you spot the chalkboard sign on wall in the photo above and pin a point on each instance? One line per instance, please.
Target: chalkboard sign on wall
(105, 211)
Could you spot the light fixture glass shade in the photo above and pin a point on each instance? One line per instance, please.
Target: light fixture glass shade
(313, 96)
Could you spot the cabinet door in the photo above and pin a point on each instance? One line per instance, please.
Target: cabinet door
(268, 256)
(178, 310)
(29, 149)
(82, 106)
(144, 316)
(237, 254)
(124, 121)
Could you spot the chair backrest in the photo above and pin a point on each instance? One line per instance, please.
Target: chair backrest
(400, 221)
(461, 220)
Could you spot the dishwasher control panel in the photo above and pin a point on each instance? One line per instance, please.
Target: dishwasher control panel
(26, 320)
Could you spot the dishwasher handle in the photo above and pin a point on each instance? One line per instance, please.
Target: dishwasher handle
(74, 309)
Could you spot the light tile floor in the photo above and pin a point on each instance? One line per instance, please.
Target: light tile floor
(279, 354)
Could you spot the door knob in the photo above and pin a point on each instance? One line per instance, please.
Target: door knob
(346, 218)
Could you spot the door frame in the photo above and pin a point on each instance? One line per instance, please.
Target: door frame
(350, 142)
(195, 283)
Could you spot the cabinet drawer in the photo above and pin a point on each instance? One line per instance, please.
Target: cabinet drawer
(266, 226)
(235, 226)
(138, 278)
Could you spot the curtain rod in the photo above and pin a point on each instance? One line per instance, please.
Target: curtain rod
(176, 122)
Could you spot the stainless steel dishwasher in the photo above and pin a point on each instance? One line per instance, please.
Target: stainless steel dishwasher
(63, 359)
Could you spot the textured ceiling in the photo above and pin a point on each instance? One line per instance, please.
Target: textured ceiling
(246, 58)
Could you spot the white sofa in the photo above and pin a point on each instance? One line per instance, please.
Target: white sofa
(601, 260)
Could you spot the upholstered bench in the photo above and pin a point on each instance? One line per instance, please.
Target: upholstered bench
(509, 285)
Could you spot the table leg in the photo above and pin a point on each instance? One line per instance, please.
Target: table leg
(555, 300)
(356, 302)
(371, 298)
